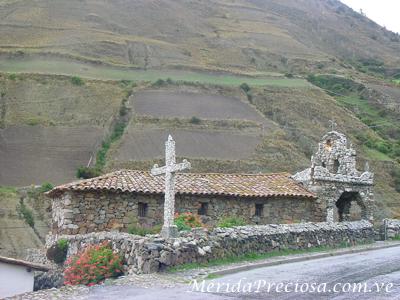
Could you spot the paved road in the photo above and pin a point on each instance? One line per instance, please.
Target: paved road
(378, 269)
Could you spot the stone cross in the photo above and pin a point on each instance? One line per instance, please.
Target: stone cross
(169, 230)
(333, 125)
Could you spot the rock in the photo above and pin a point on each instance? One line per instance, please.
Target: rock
(207, 249)
(201, 252)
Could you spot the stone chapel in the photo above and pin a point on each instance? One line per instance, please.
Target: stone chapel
(331, 189)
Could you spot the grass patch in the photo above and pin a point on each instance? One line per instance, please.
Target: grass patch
(232, 221)
(252, 257)
(375, 154)
(213, 276)
(384, 122)
(26, 213)
(7, 191)
(396, 238)
(117, 133)
(73, 68)
(77, 81)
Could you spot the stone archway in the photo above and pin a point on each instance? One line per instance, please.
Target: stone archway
(351, 207)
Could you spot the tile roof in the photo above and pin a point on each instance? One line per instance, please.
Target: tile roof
(24, 263)
(243, 185)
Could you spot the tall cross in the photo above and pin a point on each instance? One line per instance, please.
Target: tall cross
(333, 125)
(170, 168)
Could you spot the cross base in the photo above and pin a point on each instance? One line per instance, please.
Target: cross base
(169, 231)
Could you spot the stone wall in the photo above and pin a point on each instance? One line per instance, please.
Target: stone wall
(392, 228)
(85, 212)
(153, 253)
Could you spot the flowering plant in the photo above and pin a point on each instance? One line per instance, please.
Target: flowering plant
(93, 265)
(187, 221)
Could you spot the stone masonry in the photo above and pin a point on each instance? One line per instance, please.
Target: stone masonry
(392, 228)
(94, 211)
(153, 253)
(344, 193)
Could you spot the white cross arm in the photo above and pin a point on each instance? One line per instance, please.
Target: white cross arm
(182, 166)
(156, 170)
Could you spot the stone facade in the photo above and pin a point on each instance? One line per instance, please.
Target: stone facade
(344, 193)
(391, 228)
(152, 253)
(84, 212)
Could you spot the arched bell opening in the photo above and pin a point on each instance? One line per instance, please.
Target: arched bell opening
(350, 207)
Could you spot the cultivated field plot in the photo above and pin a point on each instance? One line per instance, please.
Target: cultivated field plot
(34, 154)
(69, 67)
(169, 104)
(145, 144)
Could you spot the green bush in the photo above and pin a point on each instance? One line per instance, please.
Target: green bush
(58, 252)
(86, 172)
(143, 230)
(228, 222)
(45, 187)
(26, 213)
(77, 81)
(123, 111)
(159, 82)
(12, 76)
(186, 221)
(195, 120)
(245, 87)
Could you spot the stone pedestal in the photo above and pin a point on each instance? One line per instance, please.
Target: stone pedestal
(169, 231)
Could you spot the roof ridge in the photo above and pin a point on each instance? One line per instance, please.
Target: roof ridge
(211, 173)
(230, 184)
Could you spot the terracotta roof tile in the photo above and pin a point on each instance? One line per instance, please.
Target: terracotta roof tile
(243, 185)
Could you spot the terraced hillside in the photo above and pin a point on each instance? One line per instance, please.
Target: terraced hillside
(169, 104)
(15, 235)
(50, 126)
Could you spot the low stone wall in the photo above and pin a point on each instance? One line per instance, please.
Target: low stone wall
(392, 228)
(153, 253)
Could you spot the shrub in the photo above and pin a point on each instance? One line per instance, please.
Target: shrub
(195, 120)
(245, 87)
(58, 252)
(26, 214)
(12, 76)
(93, 265)
(77, 80)
(396, 176)
(45, 187)
(289, 75)
(228, 222)
(86, 172)
(187, 221)
(143, 230)
(159, 82)
(36, 192)
(123, 111)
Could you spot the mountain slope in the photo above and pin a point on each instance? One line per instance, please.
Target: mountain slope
(235, 35)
